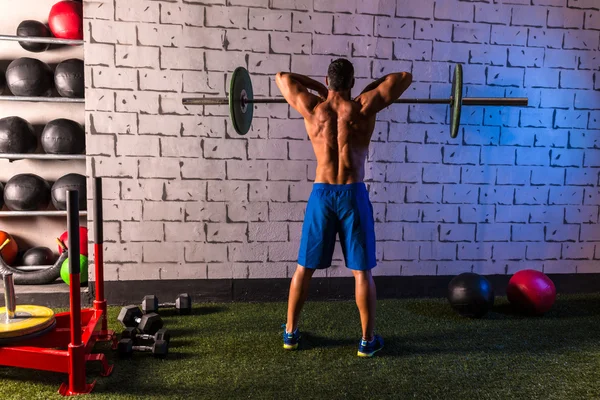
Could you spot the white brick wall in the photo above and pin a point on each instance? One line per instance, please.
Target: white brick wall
(519, 188)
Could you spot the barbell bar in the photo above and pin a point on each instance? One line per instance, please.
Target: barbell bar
(467, 101)
(241, 95)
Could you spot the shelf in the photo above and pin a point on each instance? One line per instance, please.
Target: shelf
(32, 156)
(38, 213)
(49, 40)
(40, 99)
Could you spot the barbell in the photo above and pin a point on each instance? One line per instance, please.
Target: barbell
(241, 95)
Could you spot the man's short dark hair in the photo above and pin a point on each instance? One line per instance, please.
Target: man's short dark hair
(341, 75)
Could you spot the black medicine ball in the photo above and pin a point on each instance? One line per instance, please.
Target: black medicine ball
(2, 82)
(33, 29)
(471, 295)
(63, 136)
(68, 78)
(69, 182)
(1, 195)
(38, 256)
(16, 136)
(26, 192)
(29, 77)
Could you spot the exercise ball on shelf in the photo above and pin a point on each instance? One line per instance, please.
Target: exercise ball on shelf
(33, 28)
(2, 82)
(83, 266)
(471, 295)
(17, 136)
(1, 197)
(10, 251)
(38, 255)
(29, 77)
(66, 20)
(83, 240)
(63, 136)
(69, 182)
(531, 292)
(26, 192)
(69, 78)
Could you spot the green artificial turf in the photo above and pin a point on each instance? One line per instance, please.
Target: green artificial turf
(234, 351)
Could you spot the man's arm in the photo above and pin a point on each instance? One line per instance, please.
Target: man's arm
(294, 88)
(383, 92)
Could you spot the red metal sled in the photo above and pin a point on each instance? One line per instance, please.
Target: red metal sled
(68, 347)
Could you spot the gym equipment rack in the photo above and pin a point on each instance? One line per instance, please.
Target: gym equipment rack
(68, 348)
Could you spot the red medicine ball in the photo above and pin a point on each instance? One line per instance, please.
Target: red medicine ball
(83, 241)
(66, 20)
(531, 291)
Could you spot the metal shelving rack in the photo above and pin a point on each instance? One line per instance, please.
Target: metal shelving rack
(48, 213)
(49, 40)
(41, 156)
(36, 156)
(40, 99)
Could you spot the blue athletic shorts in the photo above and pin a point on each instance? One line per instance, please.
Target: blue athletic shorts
(343, 209)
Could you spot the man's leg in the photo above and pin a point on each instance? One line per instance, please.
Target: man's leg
(316, 250)
(366, 300)
(298, 295)
(357, 236)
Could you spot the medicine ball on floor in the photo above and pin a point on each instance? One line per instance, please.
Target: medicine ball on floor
(531, 292)
(66, 21)
(63, 136)
(68, 78)
(38, 256)
(69, 182)
(16, 136)
(33, 29)
(83, 240)
(471, 295)
(29, 77)
(10, 251)
(26, 192)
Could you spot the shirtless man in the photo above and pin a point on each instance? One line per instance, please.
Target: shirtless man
(340, 130)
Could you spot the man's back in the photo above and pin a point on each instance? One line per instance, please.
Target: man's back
(340, 128)
(340, 135)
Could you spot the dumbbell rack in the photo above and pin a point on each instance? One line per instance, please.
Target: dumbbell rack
(68, 348)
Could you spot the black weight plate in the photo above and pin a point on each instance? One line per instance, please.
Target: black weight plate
(241, 113)
(457, 96)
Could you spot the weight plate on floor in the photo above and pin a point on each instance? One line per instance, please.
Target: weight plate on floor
(28, 320)
(240, 111)
(19, 339)
(457, 95)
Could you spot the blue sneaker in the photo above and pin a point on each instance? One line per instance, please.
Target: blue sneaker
(290, 340)
(368, 349)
